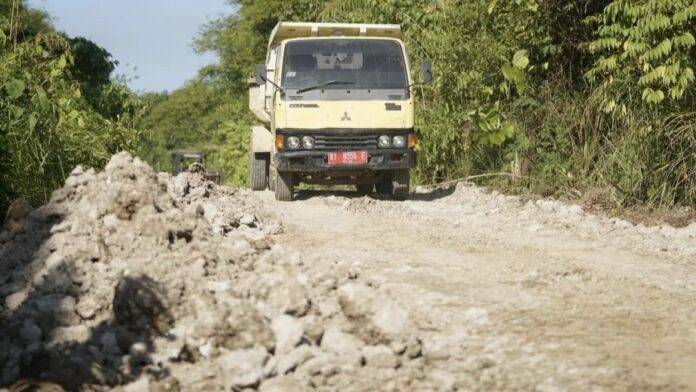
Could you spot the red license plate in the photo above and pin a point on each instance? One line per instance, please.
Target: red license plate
(348, 158)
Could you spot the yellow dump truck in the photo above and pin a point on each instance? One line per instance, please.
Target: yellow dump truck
(336, 106)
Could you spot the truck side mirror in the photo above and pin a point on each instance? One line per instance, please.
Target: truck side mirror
(426, 71)
(260, 74)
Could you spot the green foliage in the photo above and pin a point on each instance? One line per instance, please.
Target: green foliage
(575, 94)
(492, 129)
(92, 64)
(47, 126)
(202, 116)
(211, 113)
(241, 39)
(649, 44)
(29, 22)
(467, 106)
(92, 67)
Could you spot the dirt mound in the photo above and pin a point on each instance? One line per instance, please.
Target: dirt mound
(136, 281)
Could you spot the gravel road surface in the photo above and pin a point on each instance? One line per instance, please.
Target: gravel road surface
(129, 280)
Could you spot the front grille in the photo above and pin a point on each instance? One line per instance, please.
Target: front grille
(345, 142)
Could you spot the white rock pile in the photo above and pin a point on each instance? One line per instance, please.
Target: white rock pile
(129, 280)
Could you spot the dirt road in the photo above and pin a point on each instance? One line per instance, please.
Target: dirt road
(129, 280)
(518, 296)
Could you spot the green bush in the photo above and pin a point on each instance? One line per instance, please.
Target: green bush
(202, 116)
(561, 96)
(47, 126)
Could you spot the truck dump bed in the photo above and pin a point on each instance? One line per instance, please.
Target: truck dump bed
(287, 30)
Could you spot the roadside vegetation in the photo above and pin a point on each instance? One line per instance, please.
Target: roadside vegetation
(589, 98)
(58, 105)
(206, 116)
(581, 99)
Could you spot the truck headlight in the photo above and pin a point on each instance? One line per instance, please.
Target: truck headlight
(399, 142)
(384, 141)
(292, 142)
(307, 142)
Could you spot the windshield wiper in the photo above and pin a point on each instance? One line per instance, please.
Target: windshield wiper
(320, 85)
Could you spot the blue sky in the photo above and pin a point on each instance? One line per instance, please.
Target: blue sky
(153, 35)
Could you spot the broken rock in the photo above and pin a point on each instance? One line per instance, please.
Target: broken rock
(380, 357)
(295, 358)
(14, 301)
(246, 328)
(243, 369)
(391, 319)
(288, 333)
(247, 220)
(87, 308)
(141, 385)
(339, 342)
(30, 332)
(289, 297)
(356, 300)
(281, 384)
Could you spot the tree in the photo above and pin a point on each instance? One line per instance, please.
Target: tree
(516, 86)
(19, 23)
(648, 44)
(48, 125)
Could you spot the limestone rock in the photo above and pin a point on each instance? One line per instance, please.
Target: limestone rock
(391, 319)
(246, 327)
(288, 333)
(356, 300)
(281, 384)
(295, 358)
(289, 297)
(339, 342)
(243, 369)
(380, 357)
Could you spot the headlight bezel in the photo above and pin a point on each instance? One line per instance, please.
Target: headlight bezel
(308, 142)
(399, 141)
(293, 143)
(384, 141)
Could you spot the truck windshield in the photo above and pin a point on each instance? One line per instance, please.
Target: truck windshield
(344, 63)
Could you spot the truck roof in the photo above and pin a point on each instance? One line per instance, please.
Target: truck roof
(288, 30)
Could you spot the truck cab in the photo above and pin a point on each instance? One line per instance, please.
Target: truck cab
(336, 107)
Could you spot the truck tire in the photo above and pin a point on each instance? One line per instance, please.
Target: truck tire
(365, 189)
(385, 184)
(284, 186)
(259, 171)
(400, 181)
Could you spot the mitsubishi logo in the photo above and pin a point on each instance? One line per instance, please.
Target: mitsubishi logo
(345, 117)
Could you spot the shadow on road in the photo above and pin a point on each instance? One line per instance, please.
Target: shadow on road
(310, 194)
(44, 338)
(430, 195)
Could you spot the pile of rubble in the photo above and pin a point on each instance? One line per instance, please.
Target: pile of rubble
(134, 281)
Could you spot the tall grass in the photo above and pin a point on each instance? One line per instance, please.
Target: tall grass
(46, 126)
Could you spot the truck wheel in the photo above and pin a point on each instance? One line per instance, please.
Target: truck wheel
(365, 189)
(385, 184)
(400, 181)
(259, 171)
(284, 186)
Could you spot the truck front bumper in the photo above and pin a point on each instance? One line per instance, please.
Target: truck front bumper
(317, 161)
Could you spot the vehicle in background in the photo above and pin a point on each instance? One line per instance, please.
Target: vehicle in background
(182, 160)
